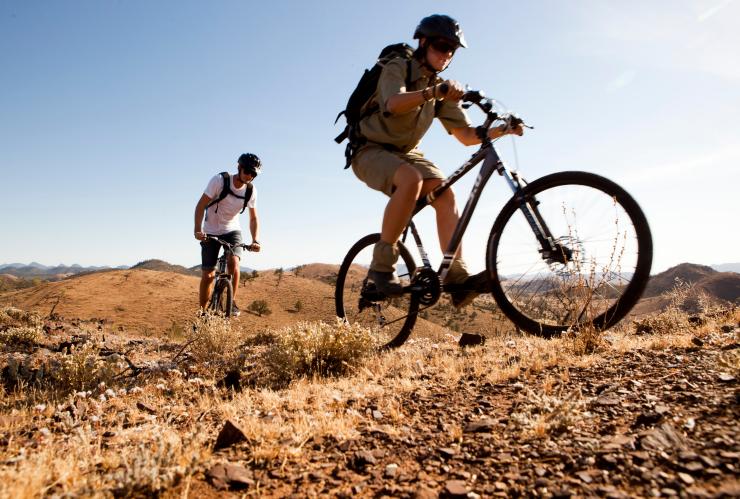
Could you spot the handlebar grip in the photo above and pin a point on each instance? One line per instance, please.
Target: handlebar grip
(444, 88)
(473, 96)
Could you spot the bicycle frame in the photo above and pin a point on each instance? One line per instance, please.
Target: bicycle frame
(491, 163)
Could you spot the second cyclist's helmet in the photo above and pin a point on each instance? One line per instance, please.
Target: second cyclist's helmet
(250, 163)
(440, 26)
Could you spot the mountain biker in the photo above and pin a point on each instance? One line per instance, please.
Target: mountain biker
(390, 161)
(222, 220)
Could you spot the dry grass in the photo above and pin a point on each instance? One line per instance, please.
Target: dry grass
(137, 437)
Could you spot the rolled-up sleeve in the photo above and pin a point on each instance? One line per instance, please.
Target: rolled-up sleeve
(452, 115)
(392, 81)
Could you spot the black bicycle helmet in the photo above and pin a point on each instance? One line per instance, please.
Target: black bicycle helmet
(250, 163)
(440, 26)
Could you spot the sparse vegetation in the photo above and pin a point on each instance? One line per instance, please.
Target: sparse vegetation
(260, 307)
(317, 348)
(86, 411)
(214, 341)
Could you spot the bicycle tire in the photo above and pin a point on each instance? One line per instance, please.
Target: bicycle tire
(391, 319)
(599, 285)
(223, 296)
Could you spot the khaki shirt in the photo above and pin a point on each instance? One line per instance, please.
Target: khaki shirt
(404, 131)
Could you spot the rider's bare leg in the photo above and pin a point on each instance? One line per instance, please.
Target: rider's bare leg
(206, 286)
(233, 265)
(445, 208)
(408, 182)
(447, 215)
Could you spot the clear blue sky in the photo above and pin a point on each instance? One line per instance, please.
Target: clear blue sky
(114, 115)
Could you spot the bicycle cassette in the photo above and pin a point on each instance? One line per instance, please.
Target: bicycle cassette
(426, 286)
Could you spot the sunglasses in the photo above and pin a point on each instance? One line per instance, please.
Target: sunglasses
(443, 46)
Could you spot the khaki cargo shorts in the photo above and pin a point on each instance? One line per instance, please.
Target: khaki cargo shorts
(376, 166)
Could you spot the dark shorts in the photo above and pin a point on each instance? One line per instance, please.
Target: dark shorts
(209, 249)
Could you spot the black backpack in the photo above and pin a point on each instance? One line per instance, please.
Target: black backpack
(365, 89)
(227, 190)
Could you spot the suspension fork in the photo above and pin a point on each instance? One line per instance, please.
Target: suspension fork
(529, 207)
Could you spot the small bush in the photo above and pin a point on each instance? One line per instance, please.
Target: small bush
(317, 348)
(20, 336)
(298, 306)
(83, 369)
(671, 320)
(213, 340)
(260, 307)
(11, 316)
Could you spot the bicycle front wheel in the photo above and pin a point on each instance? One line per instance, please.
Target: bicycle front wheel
(390, 319)
(222, 298)
(599, 269)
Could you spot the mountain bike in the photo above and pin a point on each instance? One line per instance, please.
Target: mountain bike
(568, 249)
(222, 299)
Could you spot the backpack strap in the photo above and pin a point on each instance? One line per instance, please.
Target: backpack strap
(225, 191)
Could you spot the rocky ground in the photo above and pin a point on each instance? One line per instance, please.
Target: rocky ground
(645, 414)
(644, 423)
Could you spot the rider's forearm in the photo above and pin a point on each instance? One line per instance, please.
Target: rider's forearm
(469, 137)
(405, 102)
(254, 228)
(198, 226)
(408, 101)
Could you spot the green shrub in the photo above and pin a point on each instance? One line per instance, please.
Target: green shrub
(260, 307)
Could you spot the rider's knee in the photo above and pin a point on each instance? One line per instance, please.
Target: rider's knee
(208, 275)
(408, 178)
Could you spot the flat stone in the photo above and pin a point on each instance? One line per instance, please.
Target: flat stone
(609, 399)
(686, 478)
(454, 489)
(228, 475)
(423, 492)
(584, 476)
(663, 438)
(480, 426)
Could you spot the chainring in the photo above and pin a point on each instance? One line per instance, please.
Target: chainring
(427, 286)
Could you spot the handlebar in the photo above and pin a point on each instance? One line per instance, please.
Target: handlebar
(248, 247)
(478, 98)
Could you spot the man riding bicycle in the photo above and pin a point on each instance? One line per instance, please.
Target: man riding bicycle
(390, 162)
(225, 197)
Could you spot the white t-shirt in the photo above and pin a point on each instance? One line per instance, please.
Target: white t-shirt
(226, 219)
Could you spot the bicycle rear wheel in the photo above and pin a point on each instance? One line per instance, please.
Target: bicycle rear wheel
(222, 298)
(600, 269)
(357, 301)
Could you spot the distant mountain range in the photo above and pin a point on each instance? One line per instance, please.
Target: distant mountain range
(46, 272)
(34, 269)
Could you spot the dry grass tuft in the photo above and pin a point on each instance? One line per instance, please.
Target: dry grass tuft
(317, 348)
(10, 316)
(541, 414)
(214, 341)
(20, 336)
(674, 318)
